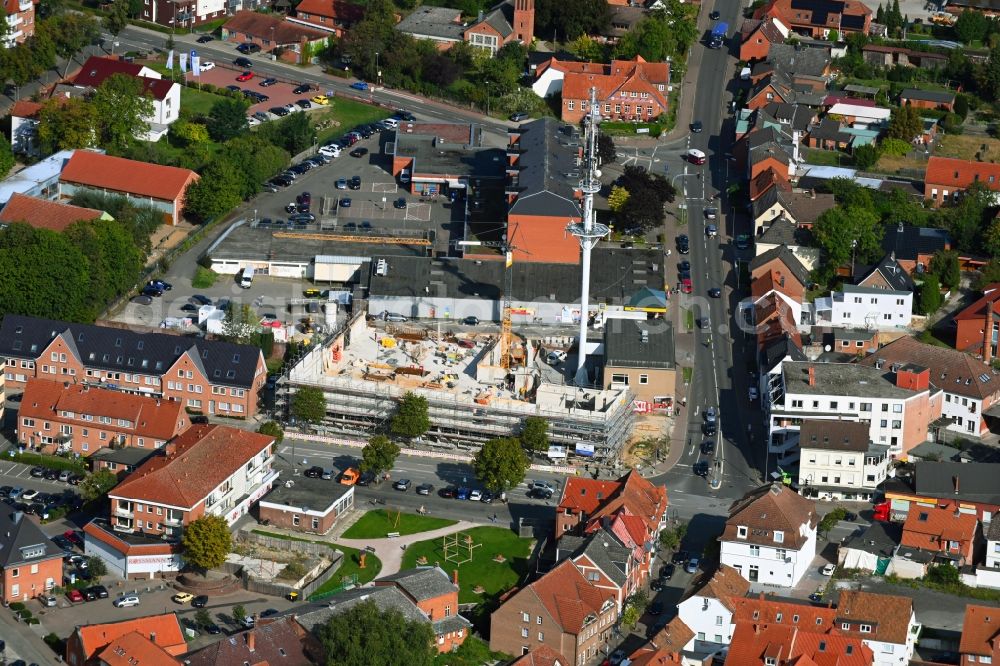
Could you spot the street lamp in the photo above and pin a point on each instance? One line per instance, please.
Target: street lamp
(488, 97)
(854, 245)
(378, 72)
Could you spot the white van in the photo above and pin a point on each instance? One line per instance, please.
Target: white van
(246, 280)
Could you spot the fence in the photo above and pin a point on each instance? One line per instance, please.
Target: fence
(277, 543)
(277, 589)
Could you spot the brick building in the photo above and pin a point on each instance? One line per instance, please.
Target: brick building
(295, 507)
(928, 99)
(210, 469)
(758, 35)
(295, 42)
(205, 376)
(85, 644)
(509, 21)
(436, 595)
(632, 90)
(945, 178)
(331, 16)
(45, 214)
(58, 417)
(561, 610)
(20, 15)
(818, 18)
(952, 536)
(29, 562)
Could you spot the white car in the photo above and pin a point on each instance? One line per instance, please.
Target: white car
(476, 496)
(29, 495)
(556, 357)
(126, 601)
(828, 570)
(207, 65)
(331, 150)
(252, 122)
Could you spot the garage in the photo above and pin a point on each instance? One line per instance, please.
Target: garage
(333, 268)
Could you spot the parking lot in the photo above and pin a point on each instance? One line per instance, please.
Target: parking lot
(224, 74)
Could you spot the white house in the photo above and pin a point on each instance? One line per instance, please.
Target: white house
(885, 623)
(550, 74)
(898, 403)
(870, 307)
(166, 95)
(988, 575)
(770, 537)
(708, 609)
(970, 386)
(838, 460)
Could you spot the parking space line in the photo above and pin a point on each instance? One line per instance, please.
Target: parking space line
(385, 188)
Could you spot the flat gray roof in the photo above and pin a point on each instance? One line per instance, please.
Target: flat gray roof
(307, 494)
(260, 244)
(846, 379)
(438, 22)
(432, 155)
(625, 346)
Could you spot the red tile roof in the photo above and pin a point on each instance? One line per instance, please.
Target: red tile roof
(753, 642)
(981, 631)
(767, 179)
(926, 525)
(724, 584)
(570, 66)
(632, 495)
(636, 75)
(585, 494)
(774, 319)
(118, 174)
(165, 628)
(542, 655)
(151, 417)
(44, 214)
(769, 509)
(568, 597)
(766, 610)
(25, 108)
(260, 25)
(282, 642)
(96, 70)
(959, 174)
(991, 294)
(888, 615)
(339, 10)
(197, 462)
(133, 648)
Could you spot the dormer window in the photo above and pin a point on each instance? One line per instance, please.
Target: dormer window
(866, 628)
(777, 617)
(770, 661)
(779, 536)
(741, 532)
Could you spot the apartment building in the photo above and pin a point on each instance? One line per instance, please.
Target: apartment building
(838, 460)
(631, 90)
(970, 386)
(561, 610)
(59, 417)
(945, 178)
(204, 376)
(209, 469)
(873, 307)
(20, 16)
(886, 623)
(607, 560)
(899, 403)
(770, 536)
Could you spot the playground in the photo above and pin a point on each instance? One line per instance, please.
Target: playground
(489, 560)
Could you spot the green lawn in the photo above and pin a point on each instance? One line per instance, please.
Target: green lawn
(349, 114)
(349, 567)
(198, 102)
(495, 577)
(377, 524)
(828, 157)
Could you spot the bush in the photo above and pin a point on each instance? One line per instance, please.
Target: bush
(53, 641)
(204, 278)
(943, 574)
(895, 147)
(49, 462)
(17, 606)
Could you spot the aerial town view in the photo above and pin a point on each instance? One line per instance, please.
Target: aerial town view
(500, 333)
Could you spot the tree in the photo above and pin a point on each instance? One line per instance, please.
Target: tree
(905, 123)
(122, 108)
(217, 192)
(206, 541)
(6, 157)
(971, 26)
(43, 274)
(97, 567)
(239, 613)
(606, 151)
(185, 133)
(240, 323)
(846, 233)
(962, 105)
(272, 429)
(113, 259)
(618, 198)
(268, 160)
(364, 635)
(865, 157)
(379, 454)
(500, 464)
(831, 519)
(930, 294)
(117, 17)
(568, 21)
(411, 418)
(987, 76)
(228, 119)
(535, 434)
(96, 485)
(202, 618)
(944, 264)
(991, 242)
(309, 405)
(943, 574)
(66, 123)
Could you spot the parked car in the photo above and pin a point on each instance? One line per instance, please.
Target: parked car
(100, 591)
(519, 116)
(714, 16)
(205, 39)
(126, 601)
(304, 104)
(200, 601)
(355, 183)
(540, 493)
(302, 88)
(425, 489)
(667, 571)
(402, 485)
(476, 495)
(268, 82)
(448, 492)
(75, 596)
(313, 472)
(692, 565)
(399, 204)
(359, 152)
(828, 569)
(279, 111)
(207, 65)
(245, 76)
(248, 47)
(161, 285)
(142, 299)
(462, 493)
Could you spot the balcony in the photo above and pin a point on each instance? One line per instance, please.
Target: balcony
(124, 513)
(172, 520)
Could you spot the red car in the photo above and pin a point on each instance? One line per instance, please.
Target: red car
(74, 536)
(245, 76)
(686, 285)
(75, 596)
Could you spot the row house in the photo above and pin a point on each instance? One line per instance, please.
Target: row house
(57, 417)
(874, 307)
(774, 321)
(818, 18)
(951, 536)
(782, 232)
(630, 90)
(765, 181)
(938, 100)
(838, 460)
(290, 42)
(211, 377)
(779, 272)
(899, 403)
(977, 326)
(279, 641)
(209, 469)
(980, 627)
(30, 563)
(436, 595)
(886, 623)
(945, 178)
(632, 507)
(330, 16)
(665, 647)
(801, 208)
(914, 247)
(606, 560)
(970, 386)
(880, 55)
(86, 645)
(561, 610)
(955, 486)
(770, 536)
(807, 67)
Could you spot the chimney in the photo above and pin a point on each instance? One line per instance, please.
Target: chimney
(954, 481)
(251, 640)
(152, 636)
(454, 576)
(988, 333)
(812, 375)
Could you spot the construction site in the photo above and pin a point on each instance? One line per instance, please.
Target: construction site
(365, 370)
